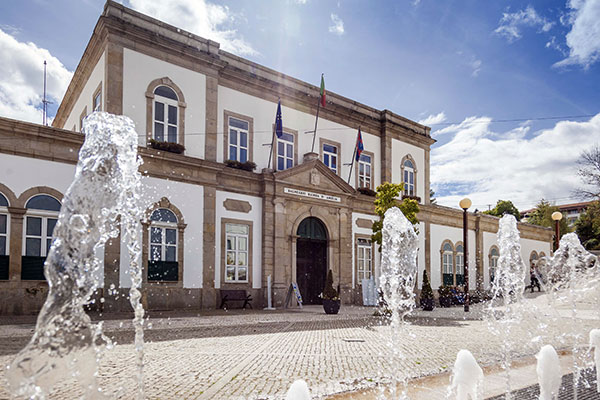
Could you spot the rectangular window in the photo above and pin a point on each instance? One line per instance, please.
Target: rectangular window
(98, 101)
(38, 235)
(364, 171)
(285, 151)
(236, 252)
(330, 156)
(364, 259)
(238, 139)
(163, 244)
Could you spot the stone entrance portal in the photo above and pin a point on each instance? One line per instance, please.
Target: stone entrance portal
(311, 259)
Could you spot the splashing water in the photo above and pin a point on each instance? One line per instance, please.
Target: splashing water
(572, 276)
(595, 344)
(467, 378)
(507, 290)
(548, 372)
(106, 185)
(298, 391)
(398, 272)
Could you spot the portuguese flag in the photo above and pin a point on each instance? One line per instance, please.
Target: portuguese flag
(322, 91)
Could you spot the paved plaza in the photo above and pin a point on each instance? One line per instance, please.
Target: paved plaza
(258, 354)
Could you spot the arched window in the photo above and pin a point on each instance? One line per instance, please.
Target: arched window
(447, 264)
(533, 257)
(166, 110)
(409, 178)
(494, 255)
(4, 237)
(460, 265)
(163, 257)
(40, 220)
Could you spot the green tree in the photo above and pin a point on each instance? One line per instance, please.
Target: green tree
(588, 227)
(504, 207)
(542, 216)
(385, 199)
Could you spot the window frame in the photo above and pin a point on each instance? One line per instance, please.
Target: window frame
(81, 118)
(163, 226)
(338, 155)
(249, 252)
(166, 102)
(358, 247)
(6, 235)
(357, 171)
(444, 256)
(250, 142)
(459, 255)
(413, 171)
(181, 104)
(98, 92)
(493, 262)
(275, 154)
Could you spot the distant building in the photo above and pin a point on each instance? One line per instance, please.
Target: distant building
(570, 212)
(213, 227)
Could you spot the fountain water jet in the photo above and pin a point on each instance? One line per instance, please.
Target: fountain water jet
(548, 372)
(397, 280)
(467, 377)
(507, 288)
(298, 391)
(595, 344)
(106, 186)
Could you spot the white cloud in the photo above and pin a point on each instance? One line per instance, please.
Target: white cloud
(476, 66)
(22, 79)
(433, 119)
(488, 166)
(338, 25)
(200, 17)
(584, 38)
(511, 23)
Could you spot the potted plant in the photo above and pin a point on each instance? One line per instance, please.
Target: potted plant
(167, 146)
(426, 293)
(445, 296)
(331, 298)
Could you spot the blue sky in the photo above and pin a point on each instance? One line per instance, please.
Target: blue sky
(459, 66)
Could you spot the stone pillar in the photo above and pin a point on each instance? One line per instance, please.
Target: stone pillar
(267, 229)
(113, 78)
(386, 149)
(426, 198)
(209, 293)
(112, 276)
(282, 273)
(16, 244)
(479, 279)
(212, 97)
(344, 249)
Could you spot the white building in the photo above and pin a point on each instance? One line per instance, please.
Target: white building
(214, 227)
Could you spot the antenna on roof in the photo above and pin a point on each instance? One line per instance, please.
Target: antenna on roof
(44, 101)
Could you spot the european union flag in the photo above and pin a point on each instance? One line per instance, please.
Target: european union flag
(278, 121)
(359, 145)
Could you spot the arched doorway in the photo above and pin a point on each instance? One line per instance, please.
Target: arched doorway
(311, 259)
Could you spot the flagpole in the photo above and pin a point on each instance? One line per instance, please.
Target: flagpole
(316, 120)
(352, 164)
(273, 138)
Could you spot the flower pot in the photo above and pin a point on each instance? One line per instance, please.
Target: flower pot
(331, 306)
(445, 301)
(427, 304)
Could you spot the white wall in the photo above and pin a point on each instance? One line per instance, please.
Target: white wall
(401, 149)
(263, 113)
(489, 239)
(255, 215)
(138, 71)
(189, 199)
(85, 97)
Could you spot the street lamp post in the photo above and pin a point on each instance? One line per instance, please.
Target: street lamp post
(556, 216)
(465, 204)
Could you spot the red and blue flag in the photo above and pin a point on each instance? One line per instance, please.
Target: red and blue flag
(359, 145)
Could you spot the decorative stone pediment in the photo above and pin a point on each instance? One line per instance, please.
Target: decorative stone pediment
(316, 176)
(237, 205)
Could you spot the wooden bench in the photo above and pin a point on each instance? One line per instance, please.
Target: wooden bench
(235, 295)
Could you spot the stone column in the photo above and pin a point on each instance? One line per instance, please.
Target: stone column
(209, 293)
(386, 149)
(112, 276)
(212, 98)
(428, 249)
(16, 244)
(113, 78)
(282, 274)
(479, 280)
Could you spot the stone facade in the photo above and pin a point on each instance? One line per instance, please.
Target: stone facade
(273, 204)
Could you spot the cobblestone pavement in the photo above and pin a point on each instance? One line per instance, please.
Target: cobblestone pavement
(258, 354)
(566, 392)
